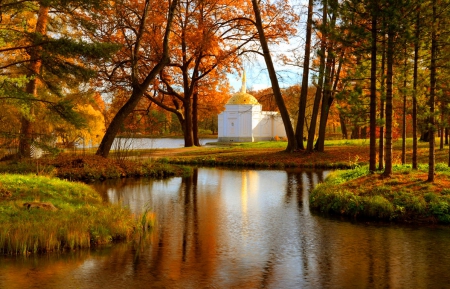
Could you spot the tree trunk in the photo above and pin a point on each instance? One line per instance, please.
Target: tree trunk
(356, 132)
(373, 92)
(188, 133)
(26, 133)
(390, 61)
(441, 126)
(327, 99)
(431, 123)
(305, 79)
(195, 119)
(446, 135)
(404, 113)
(343, 127)
(382, 102)
(319, 91)
(320, 144)
(138, 90)
(292, 143)
(414, 105)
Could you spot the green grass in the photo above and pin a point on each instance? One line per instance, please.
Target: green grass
(261, 144)
(344, 142)
(82, 219)
(405, 197)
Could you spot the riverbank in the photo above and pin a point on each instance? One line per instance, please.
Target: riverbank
(41, 214)
(404, 197)
(89, 167)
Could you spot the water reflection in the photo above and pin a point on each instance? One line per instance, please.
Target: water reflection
(242, 229)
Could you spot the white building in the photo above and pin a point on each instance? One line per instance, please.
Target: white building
(244, 121)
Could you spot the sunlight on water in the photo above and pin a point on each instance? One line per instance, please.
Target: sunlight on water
(224, 228)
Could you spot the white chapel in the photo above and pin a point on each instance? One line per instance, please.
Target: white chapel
(244, 121)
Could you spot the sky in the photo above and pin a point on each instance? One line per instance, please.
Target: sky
(258, 77)
(288, 75)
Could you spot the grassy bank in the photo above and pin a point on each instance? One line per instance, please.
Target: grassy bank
(406, 196)
(92, 167)
(270, 154)
(41, 214)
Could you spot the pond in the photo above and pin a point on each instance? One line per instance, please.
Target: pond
(223, 228)
(150, 143)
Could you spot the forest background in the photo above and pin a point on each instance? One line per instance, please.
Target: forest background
(93, 70)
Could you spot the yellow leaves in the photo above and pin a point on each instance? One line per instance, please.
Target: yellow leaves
(90, 134)
(95, 128)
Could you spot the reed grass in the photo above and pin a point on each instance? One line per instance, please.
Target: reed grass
(82, 220)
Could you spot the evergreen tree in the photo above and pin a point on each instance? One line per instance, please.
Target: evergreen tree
(53, 63)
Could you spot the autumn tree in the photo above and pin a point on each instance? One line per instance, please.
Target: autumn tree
(143, 29)
(209, 38)
(292, 143)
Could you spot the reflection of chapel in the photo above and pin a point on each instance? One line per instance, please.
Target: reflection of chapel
(244, 121)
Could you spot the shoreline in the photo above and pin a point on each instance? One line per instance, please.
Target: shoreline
(405, 197)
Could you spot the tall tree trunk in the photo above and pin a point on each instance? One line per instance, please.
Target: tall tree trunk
(431, 123)
(305, 79)
(382, 102)
(319, 91)
(330, 91)
(31, 88)
(327, 99)
(373, 91)
(388, 137)
(292, 143)
(138, 89)
(404, 113)
(414, 104)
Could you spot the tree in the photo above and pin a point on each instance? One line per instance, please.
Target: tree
(305, 79)
(373, 87)
(433, 68)
(415, 79)
(134, 32)
(45, 60)
(318, 97)
(292, 143)
(209, 38)
(332, 77)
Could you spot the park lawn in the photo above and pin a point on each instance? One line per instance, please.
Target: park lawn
(337, 154)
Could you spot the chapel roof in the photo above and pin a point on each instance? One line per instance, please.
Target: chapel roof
(242, 97)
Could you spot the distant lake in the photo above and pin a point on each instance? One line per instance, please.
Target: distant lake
(152, 143)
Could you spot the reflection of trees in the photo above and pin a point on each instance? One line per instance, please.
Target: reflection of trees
(192, 246)
(189, 193)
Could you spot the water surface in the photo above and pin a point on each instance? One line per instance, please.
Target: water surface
(242, 229)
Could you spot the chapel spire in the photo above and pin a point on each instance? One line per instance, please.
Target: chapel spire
(244, 83)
